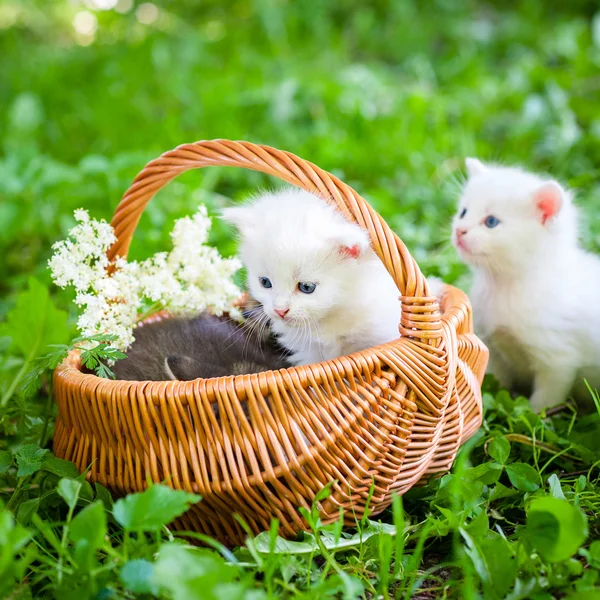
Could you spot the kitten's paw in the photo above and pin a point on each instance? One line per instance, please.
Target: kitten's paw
(305, 357)
(540, 400)
(552, 386)
(537, 403)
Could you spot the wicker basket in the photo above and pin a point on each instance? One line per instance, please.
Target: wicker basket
(379, 420)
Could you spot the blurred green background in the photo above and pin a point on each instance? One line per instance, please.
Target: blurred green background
(391, 96)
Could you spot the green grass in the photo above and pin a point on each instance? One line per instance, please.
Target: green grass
(390, 96)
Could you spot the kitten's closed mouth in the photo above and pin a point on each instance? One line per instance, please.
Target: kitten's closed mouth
(459, 243)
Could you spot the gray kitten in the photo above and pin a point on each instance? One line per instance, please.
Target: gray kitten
(203, 346)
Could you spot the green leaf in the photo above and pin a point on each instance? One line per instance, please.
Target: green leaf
(94, 358)
(501, 491)
(523, 476)
(103, 371)
(581, 484)
(453, 519)
(499, 449)
(352, 586)
(556, 528)
(262, 542)
(86, 492)
(479, 526)
(35, 322)
(32, 381)
(26, 509)
(29, 459)
(85, 556)
(6, 461)
(555, 487)
(13, 537)
(592, 554)
(90, 525)
(48, 362)
(487, 473)
(60, 467)
(493, 561)
(153, 508)
(103, 494)
(185, 572)
(69, 490)
(136, 576)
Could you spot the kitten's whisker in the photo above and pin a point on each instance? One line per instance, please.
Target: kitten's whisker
(297, 332)
(263, 324)
(309, 331)
(256, 327)
(318, 335)
(236, 332)
(305, 333)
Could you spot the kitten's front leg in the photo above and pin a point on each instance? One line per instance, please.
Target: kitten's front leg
(551, 386)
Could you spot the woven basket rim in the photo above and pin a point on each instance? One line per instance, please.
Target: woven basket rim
(73, 363)
(452, 298)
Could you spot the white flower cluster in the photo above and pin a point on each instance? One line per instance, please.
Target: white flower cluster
(189, 279)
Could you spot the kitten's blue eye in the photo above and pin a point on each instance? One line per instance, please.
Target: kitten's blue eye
(463, 212)
(491, 221)
(306, 287)
(265, 282)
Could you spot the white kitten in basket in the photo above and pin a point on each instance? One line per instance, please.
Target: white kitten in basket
(536, 292)
(325, 291)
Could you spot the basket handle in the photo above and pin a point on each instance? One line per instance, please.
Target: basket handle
(420, 317)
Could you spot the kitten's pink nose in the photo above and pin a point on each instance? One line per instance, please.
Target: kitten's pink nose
(282, 312)
(460, 239)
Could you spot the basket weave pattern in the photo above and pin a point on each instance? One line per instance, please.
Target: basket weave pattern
(377, 421)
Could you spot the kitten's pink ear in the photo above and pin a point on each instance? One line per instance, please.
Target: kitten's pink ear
(351, 241)
(474, 166)
(548, 198)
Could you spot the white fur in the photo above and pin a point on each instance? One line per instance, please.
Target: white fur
(536, 292)
(291, 236)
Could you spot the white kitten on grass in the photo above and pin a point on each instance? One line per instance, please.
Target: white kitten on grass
(536, 292)
(323, 288)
